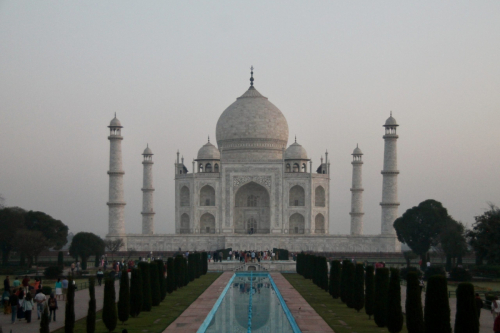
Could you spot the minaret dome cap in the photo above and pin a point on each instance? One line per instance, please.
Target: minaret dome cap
(391, 121)
(357, 151)
(115, 122)
(295, 152)
(147, 151)
(208, 152)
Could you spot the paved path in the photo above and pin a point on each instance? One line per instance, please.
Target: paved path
(305, 316)
(192, 318)
(81, 306)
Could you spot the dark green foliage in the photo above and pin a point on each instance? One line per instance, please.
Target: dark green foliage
(47, 290)
(53, 272)
(281, 254)
(199, 268)
(161, 279)
(344, 281)
(146, 286)
(484, 236)
(321, 273)
(109, 316)
(466, 319)
(434, 270)
(124, 298)
(69, 320)
(44, 323)
(404, 272)
(308, 266)
(91, 312)
(460, 274)
(186, 271)
(204, 260)
(96, 261)
(359, 287)
(437, 307)
(192, 266)
(84, 264)
(60, 259)
(86, 244)
(369, 291)
(171, 281)
(414, 312)
(347, 283)
(155, 284)
(394, 311)
(381, 293)
(136, 292)
(334, 287)
(299, 263)
(179, 271)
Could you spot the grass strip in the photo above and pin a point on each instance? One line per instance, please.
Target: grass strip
(336, 314)
(160, 316)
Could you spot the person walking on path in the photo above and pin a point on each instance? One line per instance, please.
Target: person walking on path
(40, 300)
(25, 283)
(52, 307)
(99, 275)
(64, 288)
(14, 303)
(58, 288)
(479, 305)
(28, 306)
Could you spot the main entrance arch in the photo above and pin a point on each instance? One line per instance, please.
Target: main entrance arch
(252, 210)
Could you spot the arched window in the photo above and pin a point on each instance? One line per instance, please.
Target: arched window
(216, 167)
(185, 196)
(304, 168)
(297, 196)
(252, 201)
(297, 224)
(208, 167)
(207, 224)
(319, 196)
(207, 196)
(295, 167)
(288, 167)
(185, 224)
(200, 168)
(319, 224)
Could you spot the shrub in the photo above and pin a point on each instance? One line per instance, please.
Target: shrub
(171, 281)
(434, 270)
(437, 308)
(155, 284)
(53, 272)
(69, 320)
(414, 312)
(460, 274)
(394, 311)
(381, 293)
(124, 298)
(335, 271)
(466, 319)
(403, 273)
(146, 286)
(369, 291)
(135, 292)
(91, 312)
(109, 316)
(359, 287)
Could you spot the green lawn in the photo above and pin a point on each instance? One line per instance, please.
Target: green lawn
(333, 311)
(160, 316)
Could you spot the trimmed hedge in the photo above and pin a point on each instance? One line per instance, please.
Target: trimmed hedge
(466, 319)
(124, 297)
(437, 307)
(109, 315)
(358, 296)
(171, 281)
(394, 311)
(460, 274)
(136, 298)
(381, 295)
(146, 286)
(335, 272)
(413, 306)
(369, 291)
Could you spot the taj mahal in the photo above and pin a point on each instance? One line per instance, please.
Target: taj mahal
(251, 191)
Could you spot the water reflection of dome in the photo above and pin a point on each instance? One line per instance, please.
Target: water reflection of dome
(260, 306)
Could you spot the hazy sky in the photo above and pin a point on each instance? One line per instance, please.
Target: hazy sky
(168, 69)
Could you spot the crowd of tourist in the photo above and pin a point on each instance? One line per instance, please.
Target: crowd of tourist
(244, 256)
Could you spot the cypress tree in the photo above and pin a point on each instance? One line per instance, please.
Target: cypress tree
(124, 297)
(69, 320)
(350, 284)
(60, 259)
(136, 292)
(394, 311)
(335, 270)
(414, 312)
(381, 290)
(204, 260)
(369, 291)
(146, 286)
(191, 266)
(359, 287)
(186, 271)
(161, 279)
(179, 271)
(44, 323)
(324, 265)
(109, 316)
(91, 312)
(155, 284)
(343, 281)
(466, 319)
(437, 307)
(171, 281)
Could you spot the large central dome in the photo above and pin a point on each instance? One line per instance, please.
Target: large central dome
(252, 128)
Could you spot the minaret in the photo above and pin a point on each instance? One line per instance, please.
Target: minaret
(116, 203)
(148, 214)
(390, 173)
(357, 193)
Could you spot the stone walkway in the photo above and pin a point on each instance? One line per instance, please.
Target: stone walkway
(81, 306)
(192, 318)
(305, 316)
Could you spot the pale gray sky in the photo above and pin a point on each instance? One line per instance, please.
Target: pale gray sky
(335, 69)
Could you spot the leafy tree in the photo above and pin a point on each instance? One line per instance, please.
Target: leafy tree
(420, 227)
(109, 316)
(91, 312)
(44, 323)
(135, 292)
(335, 271)
(155, 284)
(60, 259)
(113, 246)
(171, 280)
(53, 230)
(2, 202)
(414, 312)
(466, 319)
(394, 311)
(359, 287)
(437, 307)
(381, 293)
(369, 291)
(12, 219)
(146, 286)
(69, 320)
(453, 239)
(409, 255)
(86, 244)
(124, 297)
(30, 243)
(484, 236)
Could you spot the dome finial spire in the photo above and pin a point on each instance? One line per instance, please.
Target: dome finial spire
(209, 138)
(251, 76)
(391, 113)
(295, 139)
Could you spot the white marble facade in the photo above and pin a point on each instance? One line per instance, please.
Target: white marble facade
(251, 191)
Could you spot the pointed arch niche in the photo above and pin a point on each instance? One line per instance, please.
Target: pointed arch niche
(252, 210)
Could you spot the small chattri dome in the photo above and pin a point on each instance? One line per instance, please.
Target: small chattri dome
(147, 151)
(295, 152)
(357, 151)
(208, 152)
(115, 122)
(391, 121)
